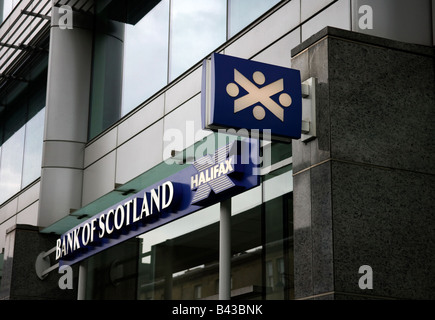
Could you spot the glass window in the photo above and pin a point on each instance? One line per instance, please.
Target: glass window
(106, 78)
(197, 28)
(11, 165)
(180, 260)
(33, 148)
(278, 231)
(243, 12)
(21, 132)
(162, 261)
(145, 57)
(167, 41)
(177, 256)
(112, 274)
(12, 149)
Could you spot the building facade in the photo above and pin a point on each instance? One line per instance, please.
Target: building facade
(102, 99)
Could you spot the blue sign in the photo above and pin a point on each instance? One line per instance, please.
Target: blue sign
(211, 179)
(245, 94)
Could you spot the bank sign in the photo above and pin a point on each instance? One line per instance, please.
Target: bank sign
(211, 179)
(244, 94)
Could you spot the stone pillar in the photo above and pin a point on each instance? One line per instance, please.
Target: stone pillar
(363, 189)
(20, 282)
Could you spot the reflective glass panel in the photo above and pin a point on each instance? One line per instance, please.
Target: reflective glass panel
(21, 131)
(278, 250)
(179, 257)
(11, 165)
(180, 260)
(33, 148)
(197, 28)
(145, 57)
(243, 12)
(106, 79)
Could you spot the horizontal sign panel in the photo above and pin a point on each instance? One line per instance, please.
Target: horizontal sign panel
(211, 179)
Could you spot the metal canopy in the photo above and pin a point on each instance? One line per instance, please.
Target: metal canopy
(24, 37)
(20, 34)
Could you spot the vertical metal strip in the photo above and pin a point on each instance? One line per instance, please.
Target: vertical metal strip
(225, 250)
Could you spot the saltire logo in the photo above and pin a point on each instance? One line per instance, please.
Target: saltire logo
(259, 97)
(244, 94)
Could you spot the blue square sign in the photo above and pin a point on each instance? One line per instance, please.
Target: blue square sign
(245, 94)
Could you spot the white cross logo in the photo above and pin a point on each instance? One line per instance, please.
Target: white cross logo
(218, 183)
(258, 95)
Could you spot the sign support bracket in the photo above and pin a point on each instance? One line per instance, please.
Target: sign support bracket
(309, 126)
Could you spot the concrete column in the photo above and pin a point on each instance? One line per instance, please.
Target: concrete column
(363, 189)
(66, 123)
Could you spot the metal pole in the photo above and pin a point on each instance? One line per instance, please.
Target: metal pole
(225, 250)
(81, 290)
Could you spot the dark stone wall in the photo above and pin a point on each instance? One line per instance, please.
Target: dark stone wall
(20, 282)
(364, 188)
